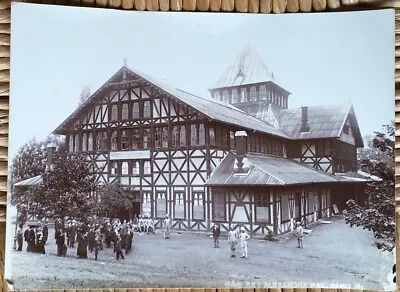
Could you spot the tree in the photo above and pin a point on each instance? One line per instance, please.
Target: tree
(379, 215)
(114, 201)
(85, 94)
(66, 191)
(30, 161)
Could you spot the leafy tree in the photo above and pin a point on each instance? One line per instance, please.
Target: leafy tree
(379, 215)
(114, 201)
(66, 191)
(30, 161)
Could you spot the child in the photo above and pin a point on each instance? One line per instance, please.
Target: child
(216, 232)
(243, 242)
(299, 235)
(167, 223)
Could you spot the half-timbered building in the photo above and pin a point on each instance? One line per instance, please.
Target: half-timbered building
(177, 153)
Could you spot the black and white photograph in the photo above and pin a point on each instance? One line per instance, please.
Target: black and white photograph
(199, 150)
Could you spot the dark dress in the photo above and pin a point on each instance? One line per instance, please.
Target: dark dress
(60, 241)
(82, 246)
(45, 233)
(31, 240)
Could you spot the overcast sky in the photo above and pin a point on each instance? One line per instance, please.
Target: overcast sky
(319, 58)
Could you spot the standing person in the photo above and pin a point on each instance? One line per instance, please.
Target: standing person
(31, 239)
(232, 237)
(299, 234)
(167, 223)
(82, 245)
(91, 239)
(20, 235)
(60, 241)
(243, 236)
(97, 243)
(216, 232)
(45, 232)
(72, 234)
(118, 249)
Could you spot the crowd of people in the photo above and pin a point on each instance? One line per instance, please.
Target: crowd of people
(93, 237)
(88, 237)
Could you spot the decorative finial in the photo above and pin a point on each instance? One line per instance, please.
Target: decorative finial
(125, 62)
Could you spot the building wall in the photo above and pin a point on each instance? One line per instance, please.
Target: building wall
(264, 210)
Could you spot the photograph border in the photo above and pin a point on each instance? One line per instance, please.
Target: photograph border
(237, 6)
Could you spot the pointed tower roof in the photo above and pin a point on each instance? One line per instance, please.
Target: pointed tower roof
(248, 68)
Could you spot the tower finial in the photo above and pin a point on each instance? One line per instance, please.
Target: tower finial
(125, 62)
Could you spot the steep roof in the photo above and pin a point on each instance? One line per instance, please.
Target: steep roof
(269, 171)
(324, 121)
(248, 68)
(211, 108)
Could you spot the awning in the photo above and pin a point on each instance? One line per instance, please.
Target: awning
(263, 170)
(30, 181)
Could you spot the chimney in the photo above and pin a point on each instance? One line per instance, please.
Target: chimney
(241, 144)
(51, 147)
(304, 119)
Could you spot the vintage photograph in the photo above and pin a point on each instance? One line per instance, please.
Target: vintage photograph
(200, 150)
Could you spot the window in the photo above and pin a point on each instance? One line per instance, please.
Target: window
(114, 112)
(146, 167)
(235, 96)
(147, 198)
(76, 143)
(101, 141)
(161, 204)
(179, 205)
(262, 202)
(263, 92)
(114, 168)
(71, 143)
(90, 142)
(212, 136)
(253, 93)
(135, 168)
(225, 96)
(146, 138)
(218, 206)
(135, 110)
(165, 137)
(158, 138)
(125, 168)
(243, 95)
(193, 135)
(146, 109)
(198, 205)
(114, 140)
(124, 140)
(183, 135)
(125, 111)
(346, 128)
(84, 142)
(175, 136)
(216, 94)
(202, 135)
(224, 133)
(284, 208)
(135, 138)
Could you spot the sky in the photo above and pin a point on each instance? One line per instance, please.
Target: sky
(320, 58)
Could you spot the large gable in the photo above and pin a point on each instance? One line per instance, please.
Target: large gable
(324, 122)
(213, 109)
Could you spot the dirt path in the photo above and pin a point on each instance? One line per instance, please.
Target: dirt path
(333, 254)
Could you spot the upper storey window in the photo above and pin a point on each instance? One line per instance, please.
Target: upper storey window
(125, 111)
(114, 112)
(225, 96)
(146, 109)
(263, 92)
(235, 95)
(114, 140)
(244, 95)
(253, 93)
(217, 95)
(135, 110)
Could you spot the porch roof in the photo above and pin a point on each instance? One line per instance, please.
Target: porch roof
(269, 171)
(36, 180)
